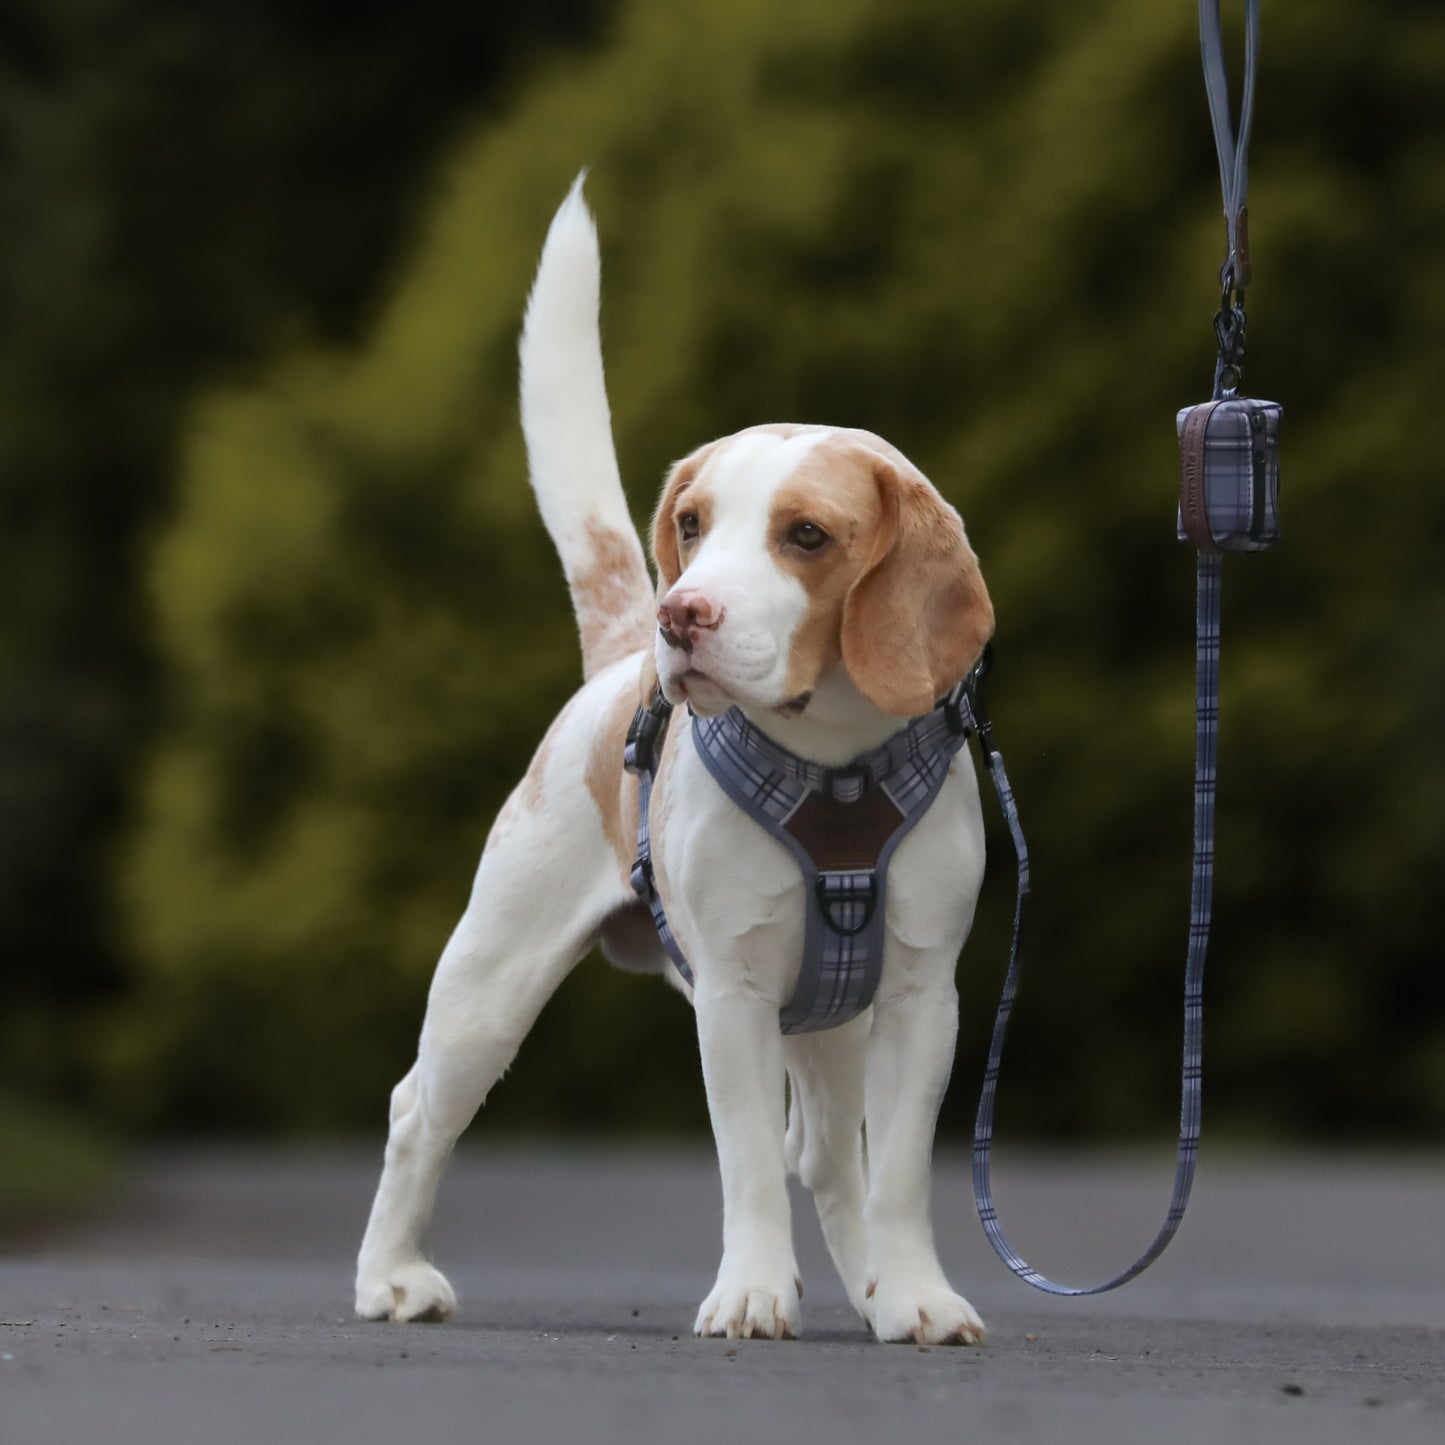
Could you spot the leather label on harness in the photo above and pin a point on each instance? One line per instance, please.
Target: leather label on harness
(842, 836)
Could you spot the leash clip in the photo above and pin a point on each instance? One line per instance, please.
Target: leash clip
(972, 693)
(639, 755)
(1230, 324)
(641, 878)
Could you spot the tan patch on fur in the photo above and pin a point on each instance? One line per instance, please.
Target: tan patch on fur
(647, 678)
(835, 489)
(526, 797)
(665, 556)
(610, 595)
(613, 789)
(507, 816)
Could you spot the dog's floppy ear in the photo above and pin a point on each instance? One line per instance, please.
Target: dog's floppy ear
(663, 538)
(917, 618)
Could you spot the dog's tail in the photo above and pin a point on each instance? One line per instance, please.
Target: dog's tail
(569, 444)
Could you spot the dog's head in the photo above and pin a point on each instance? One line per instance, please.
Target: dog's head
(784, 551)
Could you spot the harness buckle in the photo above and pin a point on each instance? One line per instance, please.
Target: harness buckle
(641, 878)
(855, 773)
(827, 897)
(640, 753)
(973, 692)
(953, 709)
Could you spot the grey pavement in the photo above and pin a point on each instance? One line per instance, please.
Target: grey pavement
(209, 1301)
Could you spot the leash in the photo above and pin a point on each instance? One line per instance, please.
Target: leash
(1229, 488)
(1206, 726)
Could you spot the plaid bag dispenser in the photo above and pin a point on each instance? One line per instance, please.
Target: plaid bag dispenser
(1229, 474)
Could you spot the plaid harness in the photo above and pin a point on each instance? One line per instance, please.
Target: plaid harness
(841, 825)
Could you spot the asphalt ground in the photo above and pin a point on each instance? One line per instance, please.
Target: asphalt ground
(210, 1301)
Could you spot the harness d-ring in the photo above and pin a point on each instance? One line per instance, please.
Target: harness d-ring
(827, 897)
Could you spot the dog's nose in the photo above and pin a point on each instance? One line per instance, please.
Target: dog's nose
(683, 614)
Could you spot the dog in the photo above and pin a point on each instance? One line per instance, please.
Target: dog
(813, 578)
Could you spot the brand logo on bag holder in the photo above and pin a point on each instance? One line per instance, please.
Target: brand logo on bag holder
(1192, 507)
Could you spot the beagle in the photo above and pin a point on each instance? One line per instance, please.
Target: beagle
(812, 578)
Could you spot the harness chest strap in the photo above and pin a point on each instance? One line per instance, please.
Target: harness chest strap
(841, 825)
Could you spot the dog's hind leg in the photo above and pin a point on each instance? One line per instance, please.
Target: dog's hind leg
(825, 1140)
(547, 880)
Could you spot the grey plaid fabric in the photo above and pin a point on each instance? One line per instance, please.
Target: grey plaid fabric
(1206, 733)
(909, 767)
(641, 756)
(843, 932)
(1241, 473)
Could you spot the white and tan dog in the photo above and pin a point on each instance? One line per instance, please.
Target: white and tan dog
(814, 578)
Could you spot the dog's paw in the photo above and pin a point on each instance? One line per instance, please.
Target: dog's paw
(932, 1315)
(405, 1293)
(740, 1309)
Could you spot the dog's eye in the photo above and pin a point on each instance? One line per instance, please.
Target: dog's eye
(688, 526)
(807, 535)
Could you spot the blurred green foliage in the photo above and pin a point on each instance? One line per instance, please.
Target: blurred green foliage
(56, 1163)
(987, 231)
(184, 184)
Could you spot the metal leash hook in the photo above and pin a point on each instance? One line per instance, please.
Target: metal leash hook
(1229, 490)
(1230, 324)
(1235, 273)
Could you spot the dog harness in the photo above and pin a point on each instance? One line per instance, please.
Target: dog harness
(842, 826)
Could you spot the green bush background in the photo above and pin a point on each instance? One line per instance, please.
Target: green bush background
(282, 626)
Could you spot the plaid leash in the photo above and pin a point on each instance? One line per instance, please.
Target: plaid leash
(1238, 465)
(1205, 742)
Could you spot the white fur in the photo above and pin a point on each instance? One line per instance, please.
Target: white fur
(566, 419)
(745, 661)
(734, 898)
(565, 415)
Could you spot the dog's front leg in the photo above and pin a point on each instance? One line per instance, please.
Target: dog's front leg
(507, 956)
(910, 1055)
(757, 1287)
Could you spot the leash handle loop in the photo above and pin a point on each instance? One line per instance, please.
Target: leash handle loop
(1234, 275)
(1233, 154)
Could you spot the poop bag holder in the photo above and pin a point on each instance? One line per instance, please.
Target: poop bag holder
(1229, 474)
